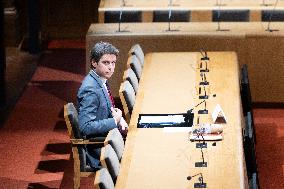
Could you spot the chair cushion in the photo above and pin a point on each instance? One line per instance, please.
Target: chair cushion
(114, 138)
(103, 180)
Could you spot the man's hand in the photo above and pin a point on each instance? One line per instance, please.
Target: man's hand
(116, 113)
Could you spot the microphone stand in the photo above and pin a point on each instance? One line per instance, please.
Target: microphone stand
(169, 17)
(199, 144)
(119, 23)
(201, 183)
(204, 81)
(204, 58)
(204, 111)
(270, 18)
(219, 4)
(201, 163)
(265, 4)
(124, 4)
(219, 18)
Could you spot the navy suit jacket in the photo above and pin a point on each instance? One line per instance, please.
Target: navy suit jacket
(94, 108)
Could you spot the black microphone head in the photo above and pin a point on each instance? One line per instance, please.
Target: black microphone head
(189, 111)
(189, 177)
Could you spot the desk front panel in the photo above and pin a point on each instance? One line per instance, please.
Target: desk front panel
(157, 159)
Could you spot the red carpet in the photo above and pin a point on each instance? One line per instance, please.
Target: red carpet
(35, 145)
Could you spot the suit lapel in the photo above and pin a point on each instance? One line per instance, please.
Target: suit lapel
(100, 83)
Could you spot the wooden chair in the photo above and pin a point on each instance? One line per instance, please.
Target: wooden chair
(249, 150)
(78, 142)
(137, 50)
(135, 65)
(130, 76)
(103, 180)
(127, 97)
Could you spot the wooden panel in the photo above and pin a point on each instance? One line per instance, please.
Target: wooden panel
(67, 18)
(259, 49)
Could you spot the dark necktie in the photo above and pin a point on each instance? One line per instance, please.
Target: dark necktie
(110, 95)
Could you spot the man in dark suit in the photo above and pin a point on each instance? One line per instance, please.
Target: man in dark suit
(97, 114)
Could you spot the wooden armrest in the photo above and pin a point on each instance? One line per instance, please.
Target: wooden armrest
(99, 140)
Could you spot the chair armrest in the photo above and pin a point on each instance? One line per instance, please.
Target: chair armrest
(99, 140)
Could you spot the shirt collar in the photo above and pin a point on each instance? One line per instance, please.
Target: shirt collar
(102, 79)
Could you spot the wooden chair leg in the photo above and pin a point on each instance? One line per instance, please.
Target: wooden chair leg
(77, 175)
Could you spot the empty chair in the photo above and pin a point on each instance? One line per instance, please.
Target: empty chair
(130, 76)
(249, 147)
(245, 90)
(135, 65)
(137, 50)
(103, 180)
(270, 15)
(110, 161)
(176, 16)
(127, 97)
(126, 16)
(230, 15)
(115, 139)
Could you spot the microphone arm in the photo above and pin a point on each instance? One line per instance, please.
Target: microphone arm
(270, 18)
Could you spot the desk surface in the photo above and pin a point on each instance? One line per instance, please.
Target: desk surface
(114, 5)
(156, 159)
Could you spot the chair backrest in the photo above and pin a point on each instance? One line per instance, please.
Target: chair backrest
(230, 15)
(176, 16)
(131, 77)
(127, 97)
(135, 65)
(115, 139)
(126, 16)
(245, 90)
(110, 161)
(137, 50)
(103, 180)
(71, 119)
(273, 15)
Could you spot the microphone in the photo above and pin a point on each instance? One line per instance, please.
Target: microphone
(204, 58)
(270, 18)
(201, 183)
(199, 144)
(190, 110)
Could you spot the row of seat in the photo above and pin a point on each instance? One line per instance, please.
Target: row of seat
(185, 16)
(129, 86)
(249, 138)
(111, 147)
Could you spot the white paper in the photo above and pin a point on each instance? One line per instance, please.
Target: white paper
(162, 119)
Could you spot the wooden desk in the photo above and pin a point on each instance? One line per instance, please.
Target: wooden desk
(262, 51)
(157, 159)
(201, 11)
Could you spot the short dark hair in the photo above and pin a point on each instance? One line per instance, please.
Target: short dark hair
(102, 48)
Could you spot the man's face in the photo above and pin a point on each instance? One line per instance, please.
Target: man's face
(105, 67)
